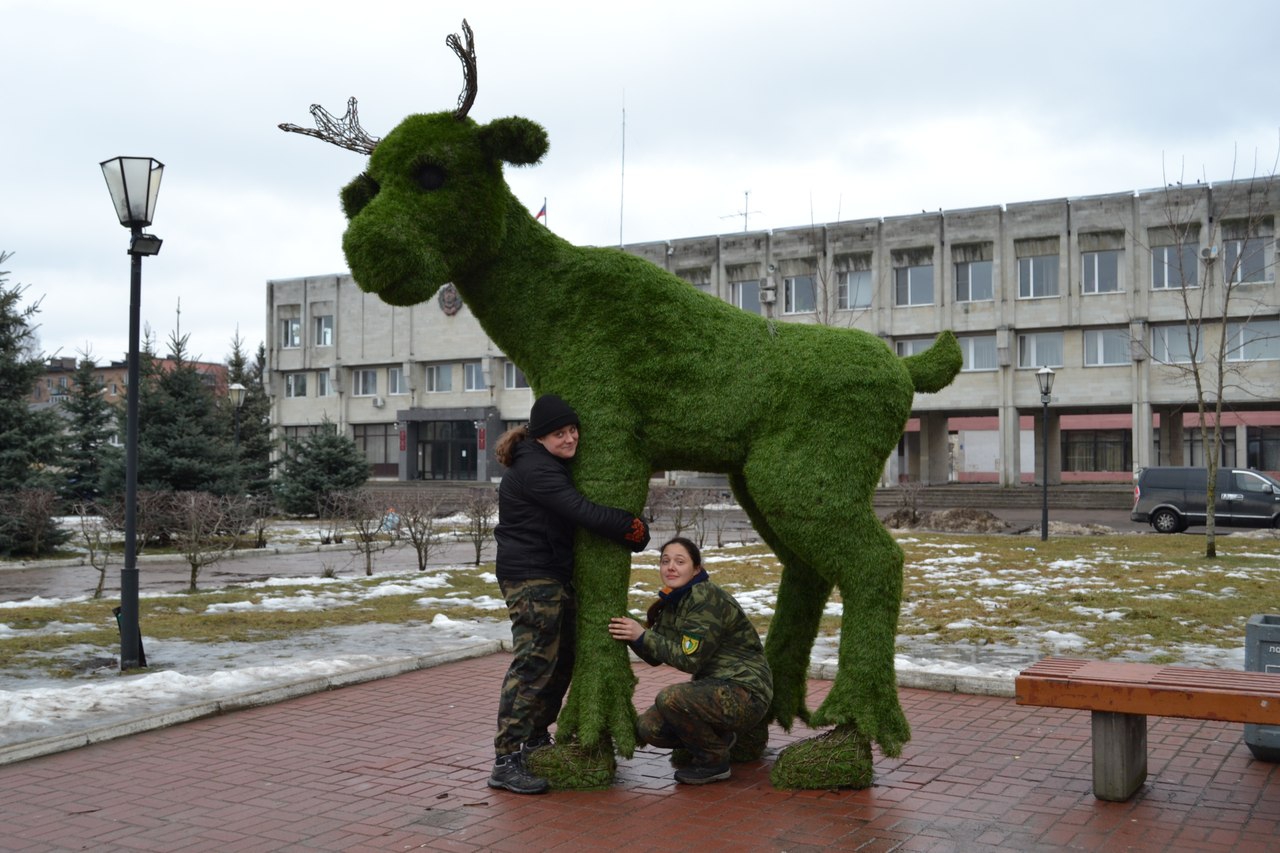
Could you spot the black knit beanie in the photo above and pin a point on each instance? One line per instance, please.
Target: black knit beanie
(549, 414)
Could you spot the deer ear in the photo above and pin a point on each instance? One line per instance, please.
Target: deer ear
(515, 140)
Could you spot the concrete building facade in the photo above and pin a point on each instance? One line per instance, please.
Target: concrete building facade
(1119, 294)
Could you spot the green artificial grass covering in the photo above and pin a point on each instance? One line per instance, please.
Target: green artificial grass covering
(800, 417)
(574, 767)
(840, 758)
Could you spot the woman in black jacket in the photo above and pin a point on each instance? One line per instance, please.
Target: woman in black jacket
(539, 509)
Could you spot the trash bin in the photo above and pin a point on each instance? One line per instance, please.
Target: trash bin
(1262, 654)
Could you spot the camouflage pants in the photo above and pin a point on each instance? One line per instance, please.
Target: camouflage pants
(544, 618)
(700, 716)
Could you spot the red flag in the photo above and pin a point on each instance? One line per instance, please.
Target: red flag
(543, 212)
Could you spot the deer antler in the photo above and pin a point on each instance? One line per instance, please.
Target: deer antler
(468, 57)
(345, 132)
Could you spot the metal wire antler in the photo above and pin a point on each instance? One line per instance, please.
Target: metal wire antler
(344, 132)
(468, 57)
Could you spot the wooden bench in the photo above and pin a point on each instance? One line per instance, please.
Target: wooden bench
(1122, 695)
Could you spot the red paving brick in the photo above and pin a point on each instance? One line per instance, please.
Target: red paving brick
(401, 764)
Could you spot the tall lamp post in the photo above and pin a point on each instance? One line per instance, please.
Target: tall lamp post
(1045, 377)
(134, 184)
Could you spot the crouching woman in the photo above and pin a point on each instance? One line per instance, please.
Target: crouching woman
(698, 628)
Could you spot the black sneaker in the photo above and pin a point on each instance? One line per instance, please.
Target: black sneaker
(702, 774)
(509, 772)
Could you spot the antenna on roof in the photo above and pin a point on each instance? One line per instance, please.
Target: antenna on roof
(745, 212)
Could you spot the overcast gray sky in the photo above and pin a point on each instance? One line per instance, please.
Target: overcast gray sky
(821, 110)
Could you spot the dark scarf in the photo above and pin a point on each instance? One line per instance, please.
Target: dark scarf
(668, 597)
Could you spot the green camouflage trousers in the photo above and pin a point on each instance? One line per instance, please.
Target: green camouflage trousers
(700, 716)
(544, 617)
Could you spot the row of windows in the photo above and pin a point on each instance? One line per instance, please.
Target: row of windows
(438, 378)
(1254, 340)
(1174, 266)
(321, 332)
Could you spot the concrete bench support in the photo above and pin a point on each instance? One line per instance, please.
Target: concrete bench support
(1119, 755)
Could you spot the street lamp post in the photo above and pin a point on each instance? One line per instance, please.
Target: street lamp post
(1045, 377)
(134, 184)
(236, 394)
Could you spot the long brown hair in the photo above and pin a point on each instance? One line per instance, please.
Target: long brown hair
(506, 447)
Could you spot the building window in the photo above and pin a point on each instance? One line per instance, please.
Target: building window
(1255, 340)
(853, 290)
(290, 333)
(323, 388)
(1174, 266)
(1100, 272)
(979, 352)
(1038, 277)
(295, 384)
(1263, 447)
(396, 382)
(473, 377)
(798, 296)
(912, 346)
(1104, 347)
(913, 285)
(439, 378)
(324, 331)
(1097, 450)
(1247, 261)
(1175, 344)
(1041, 349)
(364, 382)
(513, 377)
(380, 443)
(746, 295)
(973, 281)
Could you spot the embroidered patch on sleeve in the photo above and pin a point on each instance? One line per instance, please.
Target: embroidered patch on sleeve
(689, 645)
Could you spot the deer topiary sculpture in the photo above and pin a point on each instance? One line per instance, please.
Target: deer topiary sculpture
(801, 418)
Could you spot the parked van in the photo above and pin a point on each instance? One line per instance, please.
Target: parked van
(1173, 499)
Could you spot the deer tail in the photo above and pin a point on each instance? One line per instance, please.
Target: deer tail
(933, 369)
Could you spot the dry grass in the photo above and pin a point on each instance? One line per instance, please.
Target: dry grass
(1120, 594)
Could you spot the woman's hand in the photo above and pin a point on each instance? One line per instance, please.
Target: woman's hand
(626, 629)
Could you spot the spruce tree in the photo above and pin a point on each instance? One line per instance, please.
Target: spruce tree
(255, 426)
(183, 436)
(28, 438)
(317, 465)
(86, 442)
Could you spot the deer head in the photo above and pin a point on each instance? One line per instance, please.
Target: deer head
(432, 206)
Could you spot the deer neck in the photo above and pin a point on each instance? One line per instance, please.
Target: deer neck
(519, 295)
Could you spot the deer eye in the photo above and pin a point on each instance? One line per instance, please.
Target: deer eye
(357, 194)
(428, 176)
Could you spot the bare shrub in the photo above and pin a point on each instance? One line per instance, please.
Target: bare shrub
(481, 509)
(202, 522)
(419, 513)
(372, 523)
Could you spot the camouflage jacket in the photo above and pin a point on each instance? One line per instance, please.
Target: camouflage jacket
(709, 636)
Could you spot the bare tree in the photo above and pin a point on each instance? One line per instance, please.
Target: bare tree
(376, 526)
(202, 530)
(659, 503)
(482, 510)
(335, 513)
(419, 513)
(96, 534)
(688, 512)
(1219, 334)
(714, 517)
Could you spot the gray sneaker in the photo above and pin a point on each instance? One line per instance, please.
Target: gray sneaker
(509, 772)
